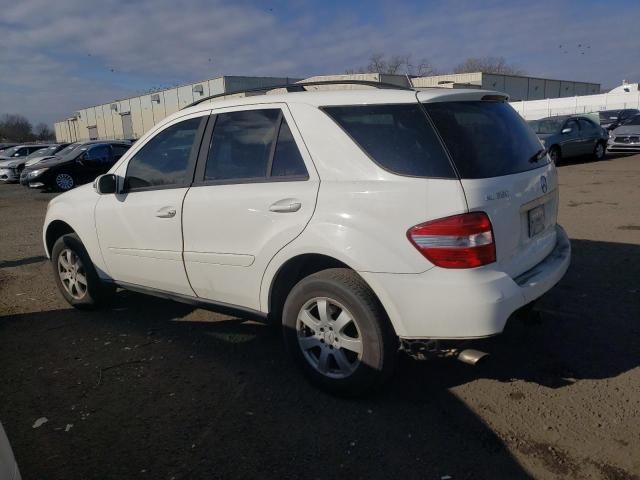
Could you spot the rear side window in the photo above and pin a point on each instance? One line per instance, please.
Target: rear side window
(241, 144)
(165, 159)
(287, 161)
(399, 138)
(253, 145)
(486, 139)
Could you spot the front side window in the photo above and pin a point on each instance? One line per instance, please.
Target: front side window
(399, 138)
(586, 125)
(99, 154)
(119, 150)
(573, 125)
(252, 145)
(165, 159)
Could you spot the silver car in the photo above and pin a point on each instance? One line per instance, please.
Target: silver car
(625, 138)
(13, 159)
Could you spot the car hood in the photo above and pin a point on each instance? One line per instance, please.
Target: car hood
(627, 130)
(53, 161)
(6, 161)
(35, 160)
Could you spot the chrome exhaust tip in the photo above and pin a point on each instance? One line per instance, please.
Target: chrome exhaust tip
(471, 356)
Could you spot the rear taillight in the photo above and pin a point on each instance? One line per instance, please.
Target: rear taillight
(460, 241)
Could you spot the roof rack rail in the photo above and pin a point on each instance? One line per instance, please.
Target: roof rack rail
(300, 87)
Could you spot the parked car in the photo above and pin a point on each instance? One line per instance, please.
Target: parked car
(16, 165)
(5, 146)
(626, 137)
(12, 160)
(611, 119)
(8, 466)
(359, 246)
(80, 165)
(50, 151)
(570, 136)
(24, 180)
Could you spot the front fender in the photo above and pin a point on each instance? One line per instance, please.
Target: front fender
(76, 209)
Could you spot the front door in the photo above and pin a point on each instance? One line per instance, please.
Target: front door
(571, 142)
(140, 229)
(255, 190)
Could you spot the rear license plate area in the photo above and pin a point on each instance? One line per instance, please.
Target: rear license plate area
(536, 220)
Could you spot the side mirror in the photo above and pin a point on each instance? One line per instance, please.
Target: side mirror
(566, 130)
(106, 184)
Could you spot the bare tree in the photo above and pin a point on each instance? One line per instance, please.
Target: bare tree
(395, 65)
(43, 132)
(15, 128)
(488, 65)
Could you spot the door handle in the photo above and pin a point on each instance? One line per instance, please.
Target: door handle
(166, 212)
(285, 206)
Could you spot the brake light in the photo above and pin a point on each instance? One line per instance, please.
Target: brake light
(459, 241)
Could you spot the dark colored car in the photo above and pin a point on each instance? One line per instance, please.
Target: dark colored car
(571, 136)
(80, 165)
(611, 119)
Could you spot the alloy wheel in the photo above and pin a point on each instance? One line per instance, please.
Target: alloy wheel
(329, 337)
(64, 181)
(72, 274)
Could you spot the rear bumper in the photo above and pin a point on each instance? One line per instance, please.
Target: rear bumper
(463, 304)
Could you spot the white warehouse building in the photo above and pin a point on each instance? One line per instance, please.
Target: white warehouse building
(131, 117)
(518, 87)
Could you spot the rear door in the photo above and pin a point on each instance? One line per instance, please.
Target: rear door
(496, 155)
(255, 190)
(590, 133)
(570, 139)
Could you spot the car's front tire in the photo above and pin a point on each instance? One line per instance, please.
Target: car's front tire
(63, 181)
(338, 333)
(76, 276)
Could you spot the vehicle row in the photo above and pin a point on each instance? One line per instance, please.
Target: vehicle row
(569, 136)
(60, 166)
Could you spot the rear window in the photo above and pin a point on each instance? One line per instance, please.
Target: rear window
(486, 139)
(396, 137)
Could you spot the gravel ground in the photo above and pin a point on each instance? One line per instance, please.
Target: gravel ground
(155, 389)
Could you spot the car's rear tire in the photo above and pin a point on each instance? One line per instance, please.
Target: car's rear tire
(599, 151)
(338, 332)
(63, 181)
(76, 276)
(555, 154)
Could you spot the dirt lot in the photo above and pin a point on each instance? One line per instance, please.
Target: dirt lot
(154, 389)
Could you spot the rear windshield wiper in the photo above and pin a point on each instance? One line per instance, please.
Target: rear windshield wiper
(538, 155)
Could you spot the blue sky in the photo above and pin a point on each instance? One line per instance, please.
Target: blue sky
(56, 57)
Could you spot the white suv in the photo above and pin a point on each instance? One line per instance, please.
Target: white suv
(365, 221)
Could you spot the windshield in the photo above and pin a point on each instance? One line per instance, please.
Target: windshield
(546, 126)
(486, 139)
(608, 115)
(67, 149)
(632, 121)
(9, 151)
(43, 152)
